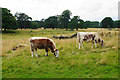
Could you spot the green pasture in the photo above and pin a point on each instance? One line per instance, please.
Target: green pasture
(100, 62)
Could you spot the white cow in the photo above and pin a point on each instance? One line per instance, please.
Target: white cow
(89, 37)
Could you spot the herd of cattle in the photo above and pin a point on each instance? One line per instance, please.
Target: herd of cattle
(47, 43)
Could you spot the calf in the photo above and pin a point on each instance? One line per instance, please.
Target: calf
(43, 43)
(89, 37)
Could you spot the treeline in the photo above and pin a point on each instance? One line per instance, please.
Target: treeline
(63, 21)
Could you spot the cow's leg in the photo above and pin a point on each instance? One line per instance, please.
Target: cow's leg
(36, 52)
(82, 44)
(32, 50)
(95, 42)
(32, 54)
(92, 44)
(79, 44)
(46, 52)
(54, 54)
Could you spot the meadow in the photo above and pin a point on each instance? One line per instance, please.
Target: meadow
(100, 62)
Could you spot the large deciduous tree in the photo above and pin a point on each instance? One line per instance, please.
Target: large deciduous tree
(23, 20)
(8, 20)
(51, 22)
(76, 23)
(65, 17)
(107, 22)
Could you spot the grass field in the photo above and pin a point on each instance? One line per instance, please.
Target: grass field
(100, 62)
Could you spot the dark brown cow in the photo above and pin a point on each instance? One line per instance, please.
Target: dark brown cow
(43, 43)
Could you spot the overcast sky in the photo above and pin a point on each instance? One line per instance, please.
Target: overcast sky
(94, 10)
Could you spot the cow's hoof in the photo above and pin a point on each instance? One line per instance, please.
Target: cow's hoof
(57, 56)
(37, 56)
(46, 55)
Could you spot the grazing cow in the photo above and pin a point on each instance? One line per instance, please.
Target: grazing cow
(89, 37)
(43, 43)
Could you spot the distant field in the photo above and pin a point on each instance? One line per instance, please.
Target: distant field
(100, 62)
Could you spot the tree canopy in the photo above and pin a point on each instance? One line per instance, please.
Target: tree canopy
(107, 22)
(65, 17)
(8, 20)
(64, 20)
(23, 20)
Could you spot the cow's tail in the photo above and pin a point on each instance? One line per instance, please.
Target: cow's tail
(20, 45)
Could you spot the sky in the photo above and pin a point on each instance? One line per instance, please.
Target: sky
(93, 10)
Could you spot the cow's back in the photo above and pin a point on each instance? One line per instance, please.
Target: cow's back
(41, 42)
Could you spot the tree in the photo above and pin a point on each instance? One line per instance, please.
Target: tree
(8, 20)
(23, 20)
(117, 24)
(107, 22)
(42, 23)
(74, 23)
(87, 24)
(65, 17)
(34, 24)
(81, 24)
(51, 22)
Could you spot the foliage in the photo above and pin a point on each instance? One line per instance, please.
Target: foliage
(76, 23)
(35, 24)
(23, 20)
(51, 22)
(65, 17)
(117, 24)
(42, 23)
(8, 20)
(107, 22)
(92, 24)
(63, 21)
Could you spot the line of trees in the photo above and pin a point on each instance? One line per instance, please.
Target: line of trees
(63, 21)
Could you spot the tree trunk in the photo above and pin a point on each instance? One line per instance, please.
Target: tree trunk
(77, 29)
(5, 29)
(66, 28)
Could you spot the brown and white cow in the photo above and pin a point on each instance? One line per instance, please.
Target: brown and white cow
(43, 43)
(89, 37)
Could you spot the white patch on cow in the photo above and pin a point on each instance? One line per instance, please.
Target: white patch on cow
(36, 53)
(57, 53)
(38, 38)
(32, 54)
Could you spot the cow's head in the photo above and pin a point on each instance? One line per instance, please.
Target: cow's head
(56, 51)
(101, 42)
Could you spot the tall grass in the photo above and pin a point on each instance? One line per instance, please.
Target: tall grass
(100, 62)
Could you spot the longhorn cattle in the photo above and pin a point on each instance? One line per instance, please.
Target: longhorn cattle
(89, 37)
(43, 43)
